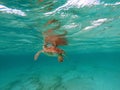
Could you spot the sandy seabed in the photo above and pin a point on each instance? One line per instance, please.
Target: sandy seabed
(71, 76)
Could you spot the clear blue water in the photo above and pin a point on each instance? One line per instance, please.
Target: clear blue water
(92, 60)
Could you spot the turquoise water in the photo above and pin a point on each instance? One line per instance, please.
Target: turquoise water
(92, 60)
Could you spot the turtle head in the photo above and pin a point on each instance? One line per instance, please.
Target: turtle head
(60, 58)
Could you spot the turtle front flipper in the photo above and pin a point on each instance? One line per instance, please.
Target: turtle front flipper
(37, 54)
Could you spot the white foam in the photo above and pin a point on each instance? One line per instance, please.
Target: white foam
(82, 3)
(115, 4)
(5, 9)
(96, 23)
(72, 25)
(75, 3)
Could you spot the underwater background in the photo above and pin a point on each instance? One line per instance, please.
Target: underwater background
(92, 59)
